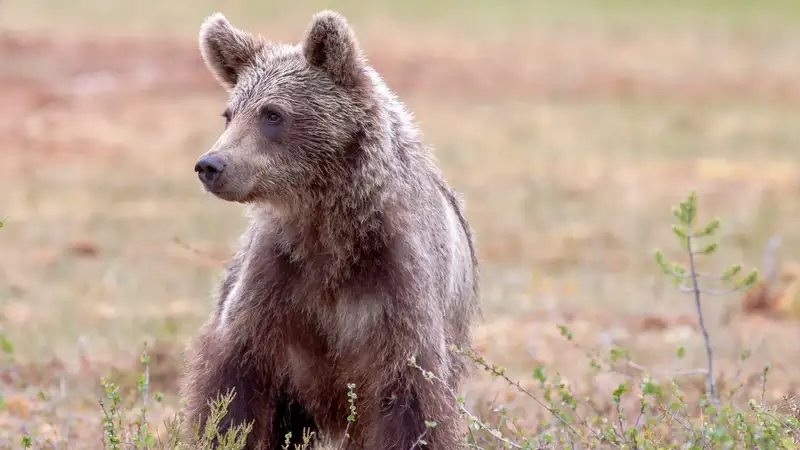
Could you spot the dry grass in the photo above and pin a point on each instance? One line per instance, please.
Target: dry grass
(569, 140)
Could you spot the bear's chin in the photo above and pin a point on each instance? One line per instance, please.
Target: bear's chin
(230, 196)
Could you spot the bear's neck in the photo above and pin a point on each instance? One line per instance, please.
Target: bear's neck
(331, 235)
(343, 231)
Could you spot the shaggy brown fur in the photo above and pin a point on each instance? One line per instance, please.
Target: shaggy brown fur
(357, 257)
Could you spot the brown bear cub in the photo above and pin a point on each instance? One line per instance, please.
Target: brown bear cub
(357, 256)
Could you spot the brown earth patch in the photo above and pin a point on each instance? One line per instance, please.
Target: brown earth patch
(40, 71)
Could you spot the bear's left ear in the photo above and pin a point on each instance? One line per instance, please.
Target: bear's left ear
(226, 49)
(331, 45)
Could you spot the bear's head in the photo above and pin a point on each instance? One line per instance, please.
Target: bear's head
(295, 113)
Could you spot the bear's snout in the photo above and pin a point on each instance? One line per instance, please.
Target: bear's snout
(209, 168)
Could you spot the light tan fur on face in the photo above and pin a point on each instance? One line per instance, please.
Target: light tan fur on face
(312, 83)
(238, 146)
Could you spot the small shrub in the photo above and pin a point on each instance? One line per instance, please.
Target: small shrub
(123, 432)
(665, 416)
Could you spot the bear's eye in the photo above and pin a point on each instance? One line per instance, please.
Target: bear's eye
(227, 116)
(271, 116)
(273, 121)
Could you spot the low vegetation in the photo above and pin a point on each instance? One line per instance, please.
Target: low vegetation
(664, 415)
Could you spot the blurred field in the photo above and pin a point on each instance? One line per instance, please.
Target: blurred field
(570, 127)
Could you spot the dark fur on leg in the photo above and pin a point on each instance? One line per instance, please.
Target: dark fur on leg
(400, 422)
(291, 417)
(214, 375)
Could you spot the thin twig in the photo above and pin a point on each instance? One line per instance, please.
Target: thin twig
(345, 442)
(685, 425)
(636, 427)
(699, 275)
(669, 373)
(639, 418)
(529, 394)
(716, 292)
(621, 422)
(518, 386)
(419, 439)
(712, 388)
(461, 408)
(497, 435)
(145, 386)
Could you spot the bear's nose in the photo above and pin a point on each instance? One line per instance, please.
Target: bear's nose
(209, 168)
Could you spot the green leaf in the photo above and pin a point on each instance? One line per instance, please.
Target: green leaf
(711, 228)
(615, 353)
(565, 332)
(678, 213)
(730, 272)
(675, 272)
(690, 208)
(745, 354)
(145, 358)
(538, 373)
(681, 352)
(650, 387)
(749, 280)
(616, 395)
(708, 249)
(6, 345)
(659, 258)
(678, 269)
(679, 231)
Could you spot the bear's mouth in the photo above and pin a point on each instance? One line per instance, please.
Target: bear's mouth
(230, 196)
(226, 195)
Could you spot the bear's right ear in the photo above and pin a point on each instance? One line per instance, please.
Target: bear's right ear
(331, 45)
(226, 50)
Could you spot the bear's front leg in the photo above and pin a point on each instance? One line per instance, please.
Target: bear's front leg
(215, 367)
(399, 421)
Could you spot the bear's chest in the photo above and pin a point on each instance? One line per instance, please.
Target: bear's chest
(299, 304)
(269, 287)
